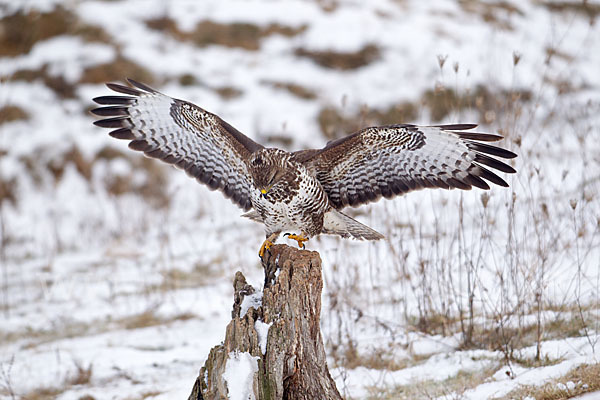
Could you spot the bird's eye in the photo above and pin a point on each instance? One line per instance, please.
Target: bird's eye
(257, 161)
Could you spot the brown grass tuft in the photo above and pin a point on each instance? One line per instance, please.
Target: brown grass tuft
(334, 124)
(297, 90)
(452, 387)
(442, 101)
(228, 92)
(83, 375)
(587, 8)
(497, 13)
(340, 60)
(8, 190)
(57, 83)
(20, 31)
(149, 318)
(12, 113)
(583, 379)
(72, 157)
(152, 188)
(117, 70)
(44, 393)
(243, 35)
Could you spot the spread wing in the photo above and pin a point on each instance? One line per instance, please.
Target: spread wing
(182, 134)
(392, 160)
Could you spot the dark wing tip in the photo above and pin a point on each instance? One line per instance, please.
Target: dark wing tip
(492, 162)
(482, 137)
(456, 127)
(493, 150)
(113, 100)
(122, 133)
(117, 122)
(142, 86)
(123, 89)
(111, 111)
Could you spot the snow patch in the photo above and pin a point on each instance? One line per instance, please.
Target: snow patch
(262, 329)
(253, 300)
(239, 374)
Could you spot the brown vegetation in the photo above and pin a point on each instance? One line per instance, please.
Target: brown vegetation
(152, 188)
(15, 40)
(11, 113)
(334, 123)
(342, 60)
(297, 90)
(243, 35)
(583, 378)
(441, 102)
(452, 387)
(57, 83)
(588, 8)
(117, 70)
(497, 13)
(8, 190)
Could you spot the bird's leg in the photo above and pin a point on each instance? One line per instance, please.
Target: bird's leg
(298, 238)
(267, 244)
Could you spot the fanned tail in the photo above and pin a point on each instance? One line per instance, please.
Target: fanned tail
(338, 223)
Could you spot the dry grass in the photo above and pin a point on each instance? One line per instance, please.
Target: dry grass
(175, 278)
(296, 90)
(342, 60)
(580, 380)
(39, 165)
(490, 104)
(144, 395)
(8, 190)
(12, 113)
(15, 40)
(228, 92)
(149, 318)
(151, 188)
(242, 35)
(441, 102)
(74, 157)
(334, 123)
(584, 7)
(57, 83)
(44, 393)
(348, 357)
(454, 386)
(117, 70)
(82, 376)
(497, 13)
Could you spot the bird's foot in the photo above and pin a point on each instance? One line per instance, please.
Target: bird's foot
(265, 247)
(298, 238)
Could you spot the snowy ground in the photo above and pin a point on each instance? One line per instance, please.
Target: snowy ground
(116, 271)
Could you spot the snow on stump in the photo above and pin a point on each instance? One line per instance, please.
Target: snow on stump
(273, 347)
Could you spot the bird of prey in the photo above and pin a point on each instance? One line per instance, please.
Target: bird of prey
(302, 192)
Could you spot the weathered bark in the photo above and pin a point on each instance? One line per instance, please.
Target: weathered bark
(294, 365)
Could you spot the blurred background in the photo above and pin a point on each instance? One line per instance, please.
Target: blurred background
(116, 270)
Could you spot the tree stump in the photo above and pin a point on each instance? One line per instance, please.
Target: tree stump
(273, 346)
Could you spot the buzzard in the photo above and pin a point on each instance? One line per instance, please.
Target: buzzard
(304, 191)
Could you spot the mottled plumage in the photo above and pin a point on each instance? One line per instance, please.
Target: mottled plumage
(301, 192)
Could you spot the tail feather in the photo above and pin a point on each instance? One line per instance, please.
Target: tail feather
(338, 223)
(253, 215)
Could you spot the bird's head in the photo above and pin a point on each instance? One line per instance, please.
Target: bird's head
(266, 170)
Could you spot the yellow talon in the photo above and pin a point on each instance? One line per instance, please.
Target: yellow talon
(265, 246)
(298, 238)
